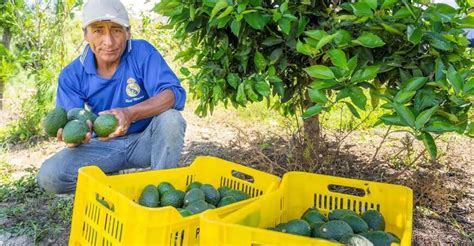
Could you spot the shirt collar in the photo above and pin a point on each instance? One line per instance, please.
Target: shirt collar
(88, 61)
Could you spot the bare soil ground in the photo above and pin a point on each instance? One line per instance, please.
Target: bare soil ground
(443, 190)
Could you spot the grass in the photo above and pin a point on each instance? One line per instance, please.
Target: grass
(31, 211)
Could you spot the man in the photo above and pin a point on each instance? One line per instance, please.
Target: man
(129, 79)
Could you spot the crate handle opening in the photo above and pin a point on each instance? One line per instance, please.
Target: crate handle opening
(107, 204)
(347, 190)
(243, 176)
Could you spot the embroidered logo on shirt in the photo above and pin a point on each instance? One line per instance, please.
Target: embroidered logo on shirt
(133, 89)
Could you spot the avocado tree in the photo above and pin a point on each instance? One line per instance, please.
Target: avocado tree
(408, 57)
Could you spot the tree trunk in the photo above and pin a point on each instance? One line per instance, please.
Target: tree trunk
(6, 38)
(312, 138)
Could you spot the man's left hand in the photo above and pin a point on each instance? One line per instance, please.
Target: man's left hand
(124, 118)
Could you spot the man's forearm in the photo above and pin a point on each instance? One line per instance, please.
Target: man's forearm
(152, 106)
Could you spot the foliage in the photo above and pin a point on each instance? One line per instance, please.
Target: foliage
(39, 49)
(315, 54)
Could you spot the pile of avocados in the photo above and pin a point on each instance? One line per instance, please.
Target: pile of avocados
(197, 198)
(74, 124)
(342, 226)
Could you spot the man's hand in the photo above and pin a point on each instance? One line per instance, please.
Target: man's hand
(86, 140)
(124, 117)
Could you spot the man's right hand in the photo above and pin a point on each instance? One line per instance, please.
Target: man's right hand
(86, 140)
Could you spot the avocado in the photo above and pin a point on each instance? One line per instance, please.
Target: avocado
(378, 238)
(355, 240)
(197, 206)
(163, 187)
(105, 124)
(149, 197)
(222, 190)
(337, 214)
(193, 185)
(315, 229)
(81, 114)
(54, 120)
(75, 132)
(237, 195)
(374, 219)
(174, 198)
(312, 215)
(226, 201)
(357, 224)
(193, 195)
(211, 194)
(335, 229)
(298, 227)
(184, 212)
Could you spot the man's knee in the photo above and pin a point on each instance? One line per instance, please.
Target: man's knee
(52, 177)
(170, 122)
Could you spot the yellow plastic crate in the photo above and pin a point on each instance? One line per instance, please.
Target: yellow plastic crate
(124, 222)
(299, 191)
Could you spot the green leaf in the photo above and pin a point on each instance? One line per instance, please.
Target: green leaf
(184, 71)
(305, 49)
(316, 34)
(312, 111)
(369, 40)
(405, 113)
(414, 35)
(453, 77)
(323, 84)
(424, 117)
(226, 12)
(430, 144)
(439, 67)
(235, 27)
(441, 12)
(241, 97)
(317, 96)
(352, 64)
(404, 96)
(402, 13)
(259, 61)
(343, 37)
(342, 94)
(362, 9)
(222, 4)
(233, 80)
(338, 58)
(440, 126)
(256, 20)
(466, 22)
(388, 3)
(285, 25)
(320, 72)
(392, 120)
(262, 88)
(374, 97)
(365, 74)
(324, 40)
(391, 29)
(415, 83)
(270, 41)
(469, 87)
(353, 110)
(372, 3)
(210, 3)
(358, 98)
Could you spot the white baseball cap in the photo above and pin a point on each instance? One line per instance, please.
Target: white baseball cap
(104, 10)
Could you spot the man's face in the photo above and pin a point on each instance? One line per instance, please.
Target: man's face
(107, 40)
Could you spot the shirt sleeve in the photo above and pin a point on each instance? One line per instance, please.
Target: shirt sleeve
(68, 94)
(158, 76)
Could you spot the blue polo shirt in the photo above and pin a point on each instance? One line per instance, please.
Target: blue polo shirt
(142, 73)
